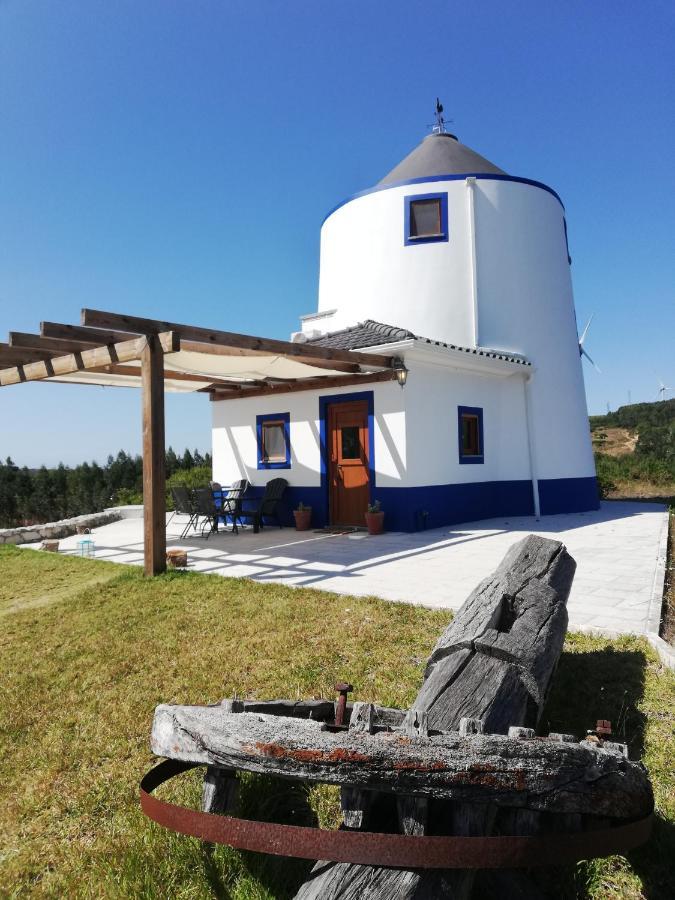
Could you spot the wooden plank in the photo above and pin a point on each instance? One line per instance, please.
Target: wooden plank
(100, 319)
(377, 717)
(154, 501)
(126, 351)
(57, 347)
(220, 791)
(534, 774)
(305, 384)
(76, 333)
(168, 374)
(18, 356)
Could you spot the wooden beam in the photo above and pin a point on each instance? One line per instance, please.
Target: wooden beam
(75, 362)
(99, 319)
(96, 336)
(219, 350)
(154, 502)
(168, 374)
(305, 384)
(18, 339)
(87, 359)
(17, 355)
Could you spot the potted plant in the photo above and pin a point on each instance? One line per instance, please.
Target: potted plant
(303, 517)
(375, 518)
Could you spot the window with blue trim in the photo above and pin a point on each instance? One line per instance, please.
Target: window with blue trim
(426, 218)
(470, 434)
(274, 441)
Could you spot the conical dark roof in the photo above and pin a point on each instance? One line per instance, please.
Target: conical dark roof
(441, 154)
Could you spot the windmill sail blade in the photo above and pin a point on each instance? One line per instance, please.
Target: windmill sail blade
(584, 332)
(583, 352)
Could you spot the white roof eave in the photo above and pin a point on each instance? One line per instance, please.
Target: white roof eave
(418, 350)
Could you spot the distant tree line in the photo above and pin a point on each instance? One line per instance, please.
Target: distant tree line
(654, 459)
(30, 496)
(637, 416)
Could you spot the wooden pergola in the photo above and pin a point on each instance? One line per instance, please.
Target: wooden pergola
(117, 350)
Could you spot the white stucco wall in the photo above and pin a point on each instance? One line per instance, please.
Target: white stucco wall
(235, 446)
(367, 272)
(416, 431)
(433, 394)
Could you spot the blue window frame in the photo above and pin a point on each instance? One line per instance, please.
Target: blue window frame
(274, 440)
(470, 435)
(425, 219)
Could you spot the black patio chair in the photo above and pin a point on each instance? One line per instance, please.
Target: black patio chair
(231, 502)
(183, 506)
(268, 505)
(207, 508)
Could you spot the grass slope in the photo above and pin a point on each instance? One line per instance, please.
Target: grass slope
(88, 649)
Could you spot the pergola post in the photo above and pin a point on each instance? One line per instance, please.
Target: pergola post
(154, 476)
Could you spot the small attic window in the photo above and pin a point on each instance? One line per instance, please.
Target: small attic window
(426, 218)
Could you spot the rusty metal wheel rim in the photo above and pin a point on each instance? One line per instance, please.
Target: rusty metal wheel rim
(376, 849)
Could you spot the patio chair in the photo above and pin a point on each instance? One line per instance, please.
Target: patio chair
(268, 505)
(231, 502)
(207, 508)
(183, 506)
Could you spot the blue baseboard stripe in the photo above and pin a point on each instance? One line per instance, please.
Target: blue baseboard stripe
(418, 508)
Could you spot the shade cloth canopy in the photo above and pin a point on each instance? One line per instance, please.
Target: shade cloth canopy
(241, 368)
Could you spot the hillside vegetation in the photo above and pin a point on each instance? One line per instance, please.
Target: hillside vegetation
(31, 496)
(635, 450)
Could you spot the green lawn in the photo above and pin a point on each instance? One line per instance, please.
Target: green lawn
(89, 648)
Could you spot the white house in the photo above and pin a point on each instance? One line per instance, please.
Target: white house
(463, 272)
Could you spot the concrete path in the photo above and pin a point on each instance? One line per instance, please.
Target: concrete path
(620, 553)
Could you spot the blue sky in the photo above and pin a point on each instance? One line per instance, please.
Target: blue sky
(175, 160)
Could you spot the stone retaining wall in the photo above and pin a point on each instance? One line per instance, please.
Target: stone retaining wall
(32, 533)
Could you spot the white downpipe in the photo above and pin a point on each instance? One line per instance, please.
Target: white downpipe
(471, 216)
(531, 445)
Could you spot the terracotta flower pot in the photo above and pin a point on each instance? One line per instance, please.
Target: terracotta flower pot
(303, 518)
(375, 522)
(177, 559)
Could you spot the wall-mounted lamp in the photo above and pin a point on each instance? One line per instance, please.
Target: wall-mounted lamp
(400, 371)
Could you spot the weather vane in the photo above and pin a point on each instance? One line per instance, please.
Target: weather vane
(439, 126)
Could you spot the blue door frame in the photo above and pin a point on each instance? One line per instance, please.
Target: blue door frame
(324, 403)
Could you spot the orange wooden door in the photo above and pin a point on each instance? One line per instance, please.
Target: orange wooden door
(349, 463)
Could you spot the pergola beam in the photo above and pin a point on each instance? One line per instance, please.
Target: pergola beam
(306, 384)
(17, 355)
(300, 352)
(125, 351)
(76, 333)
(169, 375)
(21, 340)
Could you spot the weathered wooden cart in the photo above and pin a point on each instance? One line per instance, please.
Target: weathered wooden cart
(457, 783)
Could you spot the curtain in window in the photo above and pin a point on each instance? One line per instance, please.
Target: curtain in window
(274, 441)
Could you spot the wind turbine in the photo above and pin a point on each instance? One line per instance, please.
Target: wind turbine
(663, 390)
(582, 352)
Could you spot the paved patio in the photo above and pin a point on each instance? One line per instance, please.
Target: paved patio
(620, 553)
